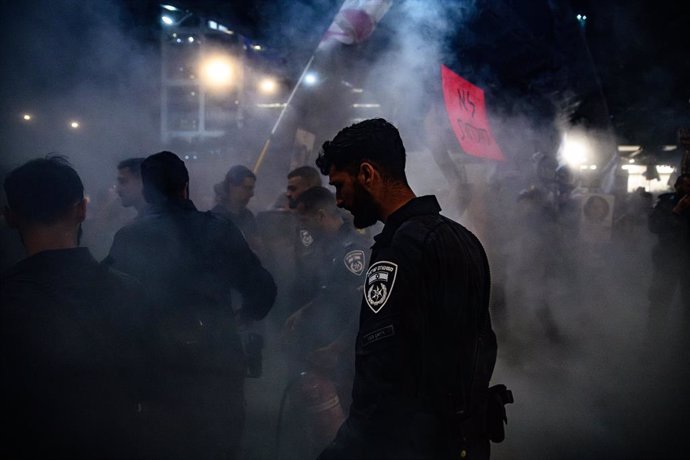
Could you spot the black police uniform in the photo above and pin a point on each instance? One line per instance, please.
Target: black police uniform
(670, 257)
(72, 358)
(341, 265)
(307, 268)
(189, 261)
(244, 220)
(425, 349)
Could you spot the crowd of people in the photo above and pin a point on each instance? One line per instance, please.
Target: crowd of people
(387, 341)
(556, 247)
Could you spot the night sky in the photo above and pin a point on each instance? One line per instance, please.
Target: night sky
(628, 67)
(639, 48)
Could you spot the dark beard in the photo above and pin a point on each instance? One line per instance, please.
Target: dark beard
(363, 209)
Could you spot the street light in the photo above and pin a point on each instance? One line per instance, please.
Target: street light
(268, 85)
(74, 124)
(217, 71)
(27, 117)
(311, 78)
(169, 20)
(575, 149)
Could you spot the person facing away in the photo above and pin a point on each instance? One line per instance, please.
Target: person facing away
(233, 194)
(188, 262)
(129, 187)
(425, 349)
(72, 343)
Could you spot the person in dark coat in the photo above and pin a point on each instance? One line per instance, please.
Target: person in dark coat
(670, 221)
(233, 194)
(72, 343)
(425, 350)
(188, 262)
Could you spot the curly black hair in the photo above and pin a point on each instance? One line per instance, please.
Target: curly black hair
(375, 140)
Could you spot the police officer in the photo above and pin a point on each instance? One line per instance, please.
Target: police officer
(189, 261)
(342, 256)
(72, 343)
(321, 334)
(425, 348)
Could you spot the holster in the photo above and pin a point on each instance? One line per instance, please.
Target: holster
(498, 397)
(195, 339)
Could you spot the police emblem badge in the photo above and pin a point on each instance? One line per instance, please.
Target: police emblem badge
(354, 261)
(379, 284)
(306, 238)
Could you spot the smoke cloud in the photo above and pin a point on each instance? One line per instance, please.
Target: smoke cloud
(571, 315)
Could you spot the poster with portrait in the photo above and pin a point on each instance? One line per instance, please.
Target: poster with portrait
(596, 217)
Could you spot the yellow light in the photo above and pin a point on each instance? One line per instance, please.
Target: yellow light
(217, 72)
(268, 86)
(74, 124)
(27, 117)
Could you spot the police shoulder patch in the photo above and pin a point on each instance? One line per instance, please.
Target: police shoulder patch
(306, 238)
(354, 261)
(379, 284)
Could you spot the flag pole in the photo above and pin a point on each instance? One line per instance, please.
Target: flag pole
(375, 9)
(264, 150)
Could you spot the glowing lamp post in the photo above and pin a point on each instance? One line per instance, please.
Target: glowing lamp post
(268, 86)
(217, 72)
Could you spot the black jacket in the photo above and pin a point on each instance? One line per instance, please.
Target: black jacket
(188, 261)
(340, 265)
(425, 349)
(673, 230)
(72, 358)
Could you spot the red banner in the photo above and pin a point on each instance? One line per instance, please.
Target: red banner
(467, 115)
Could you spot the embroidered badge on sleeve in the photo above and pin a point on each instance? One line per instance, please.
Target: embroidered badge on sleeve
(354, 261)
(306, 238)
(379, 284)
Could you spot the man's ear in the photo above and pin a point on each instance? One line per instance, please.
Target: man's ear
(367, 174)
(80, 210)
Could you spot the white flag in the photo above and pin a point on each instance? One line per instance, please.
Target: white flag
(355, 21)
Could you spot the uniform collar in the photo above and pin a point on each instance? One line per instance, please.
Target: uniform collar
(63, 258)
(172, 206)
(419, 206)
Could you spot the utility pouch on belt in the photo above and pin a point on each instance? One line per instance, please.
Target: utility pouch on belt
(499, 396)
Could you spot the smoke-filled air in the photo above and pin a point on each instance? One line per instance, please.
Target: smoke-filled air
(557, 132)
